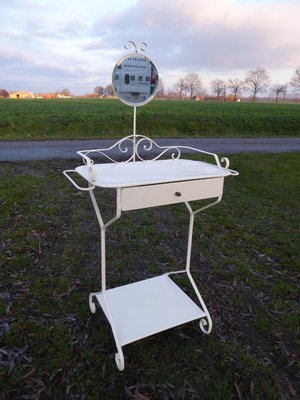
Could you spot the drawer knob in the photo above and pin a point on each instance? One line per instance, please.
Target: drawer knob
(177, 194)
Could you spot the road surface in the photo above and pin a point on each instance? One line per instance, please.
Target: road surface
(66, 149)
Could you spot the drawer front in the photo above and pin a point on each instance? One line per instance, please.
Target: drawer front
(133, 198)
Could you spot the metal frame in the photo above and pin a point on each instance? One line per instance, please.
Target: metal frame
(136, 148)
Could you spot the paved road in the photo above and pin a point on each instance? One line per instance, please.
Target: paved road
(65, 149)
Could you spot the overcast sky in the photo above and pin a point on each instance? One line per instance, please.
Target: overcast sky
(48, 45)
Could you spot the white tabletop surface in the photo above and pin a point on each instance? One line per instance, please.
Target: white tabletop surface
(113, 175)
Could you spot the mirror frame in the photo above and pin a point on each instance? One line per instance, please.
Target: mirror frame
(114, 74)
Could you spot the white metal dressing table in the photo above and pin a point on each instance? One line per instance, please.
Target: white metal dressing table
(143, 308)
(149, 175)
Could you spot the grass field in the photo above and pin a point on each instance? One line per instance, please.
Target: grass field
(85, 118)
(245, 260)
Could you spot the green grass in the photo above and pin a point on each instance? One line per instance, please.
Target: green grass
(90, 118)
(245, 261)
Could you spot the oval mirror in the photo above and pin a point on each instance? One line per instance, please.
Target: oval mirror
(135, 79)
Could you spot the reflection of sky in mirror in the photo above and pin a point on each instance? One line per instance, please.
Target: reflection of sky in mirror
(49, 45)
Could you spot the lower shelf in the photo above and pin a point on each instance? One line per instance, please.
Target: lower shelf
(147, 307)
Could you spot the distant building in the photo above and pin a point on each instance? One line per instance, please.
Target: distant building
(63, 96)
(21, 95)
(197, 98)
(46, 96)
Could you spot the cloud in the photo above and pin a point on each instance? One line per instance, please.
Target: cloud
(213, 34)
(81, 41)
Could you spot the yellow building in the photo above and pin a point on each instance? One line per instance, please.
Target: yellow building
(21, 95)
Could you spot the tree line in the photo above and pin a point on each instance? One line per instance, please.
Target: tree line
(256, 80)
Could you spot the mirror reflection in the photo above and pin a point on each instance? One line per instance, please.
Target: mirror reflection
(135, 79)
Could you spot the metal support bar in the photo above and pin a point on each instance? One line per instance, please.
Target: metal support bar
(91, 187)
(190, 238)
(119, 356)
(206, 322)
(134, 133)
(191, 227)
(103, 228)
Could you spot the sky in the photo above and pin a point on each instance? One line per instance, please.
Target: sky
(49, 45)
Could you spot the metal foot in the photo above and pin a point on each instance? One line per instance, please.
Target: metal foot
(120, 361)
(92, 303)
(205, 324)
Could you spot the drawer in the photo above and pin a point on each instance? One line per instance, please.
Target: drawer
(133, 198)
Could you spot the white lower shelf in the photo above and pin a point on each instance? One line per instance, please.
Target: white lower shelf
(147, 307)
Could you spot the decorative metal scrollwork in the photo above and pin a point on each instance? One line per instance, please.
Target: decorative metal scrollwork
(146, 144)
(142, 46)
(226, 161)
(205, 324)
(142, 148)
(132, 147)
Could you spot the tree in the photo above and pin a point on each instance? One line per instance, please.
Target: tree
(109, 90)
(4, 93)
(279, 88)
(257, 80)
(180, 85)
(236, 85)
(193, 84)
(99, 90)
(65, 92)
(218, 87)
(295, 81)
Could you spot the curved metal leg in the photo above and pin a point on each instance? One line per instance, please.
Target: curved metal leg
(205, 324)
(119, 358)
(92, 304)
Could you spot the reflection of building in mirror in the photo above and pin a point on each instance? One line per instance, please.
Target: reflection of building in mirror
(135, 79)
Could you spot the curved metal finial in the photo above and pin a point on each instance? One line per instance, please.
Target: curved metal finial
(140, 47)
(226, 161)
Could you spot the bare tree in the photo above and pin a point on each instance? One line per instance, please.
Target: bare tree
(218, 87)
(66, 92)
(279, 88)
(236, 85)
(180, 85)
(257, 80)
(193, 84)
(4, 93)
(109, 90)
(295, 81)
(99, 90)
